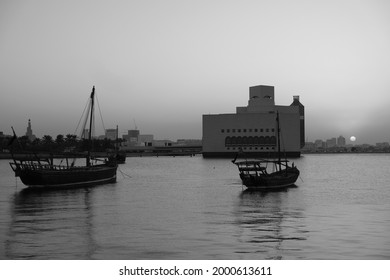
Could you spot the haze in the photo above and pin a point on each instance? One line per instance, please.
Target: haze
(160, 65)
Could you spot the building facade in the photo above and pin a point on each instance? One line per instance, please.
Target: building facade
(252, 129)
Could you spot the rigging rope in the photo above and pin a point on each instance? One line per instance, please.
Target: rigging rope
(100, 112)
(84, 118)
(123, 173)
(87, 104)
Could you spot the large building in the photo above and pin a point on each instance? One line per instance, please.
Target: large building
(252, 129)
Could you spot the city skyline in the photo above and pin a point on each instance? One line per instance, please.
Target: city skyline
(109, 131)
(165, 64)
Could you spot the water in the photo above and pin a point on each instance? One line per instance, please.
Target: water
(195, 208)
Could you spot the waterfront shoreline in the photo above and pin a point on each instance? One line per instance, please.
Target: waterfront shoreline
(8, 156)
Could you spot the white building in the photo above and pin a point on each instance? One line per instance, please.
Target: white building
(131, 138)
(253, 128)
(146, 140)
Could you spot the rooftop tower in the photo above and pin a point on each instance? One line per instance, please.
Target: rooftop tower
(301, 117)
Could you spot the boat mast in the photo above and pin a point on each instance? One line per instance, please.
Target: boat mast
(278, 130)
(90, 127)
(117, 139)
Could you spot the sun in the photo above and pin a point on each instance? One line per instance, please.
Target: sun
(353, 138)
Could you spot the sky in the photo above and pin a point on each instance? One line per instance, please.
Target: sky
(160, 65)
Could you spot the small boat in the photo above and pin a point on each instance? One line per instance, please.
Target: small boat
(36, 172)
(254, 174)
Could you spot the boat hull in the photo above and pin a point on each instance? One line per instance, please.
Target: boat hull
(68, 178)
(277, 180)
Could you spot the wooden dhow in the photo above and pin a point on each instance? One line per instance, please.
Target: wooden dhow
(254, 174)
(37, 172)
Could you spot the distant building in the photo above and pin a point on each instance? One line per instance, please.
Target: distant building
(330, 143)
(29, 132)
(145, 140)
(111, 133)
(341, 141)
(319, 144)
(131, 138)
(253, 128)
(162, 143)
(309, 146)
(189, 142)
(382, 145)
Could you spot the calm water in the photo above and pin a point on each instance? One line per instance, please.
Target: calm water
(193, 208)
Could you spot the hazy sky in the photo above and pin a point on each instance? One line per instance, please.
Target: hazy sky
(166, 63)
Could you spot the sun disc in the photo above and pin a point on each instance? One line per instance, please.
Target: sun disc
(353, 138)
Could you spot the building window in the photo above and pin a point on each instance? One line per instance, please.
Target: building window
(244, 130)
(250, 141)
(227, 130)
(255, 129)
(233, 130)
(238, 130)
(273, 130)
(250, 130)
(228, 141)
(267, 130)
(261, 130)
(222, 130)
(261, 140)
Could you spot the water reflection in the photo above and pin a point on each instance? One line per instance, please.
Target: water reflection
(269, 226)
(51, 225)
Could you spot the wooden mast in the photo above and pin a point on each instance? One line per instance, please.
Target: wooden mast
(90, 127)
(116, 140)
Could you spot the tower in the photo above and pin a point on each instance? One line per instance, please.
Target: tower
(29, 132)
(302, 118)
(261, 98)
